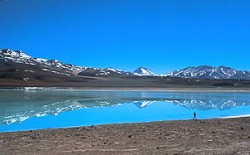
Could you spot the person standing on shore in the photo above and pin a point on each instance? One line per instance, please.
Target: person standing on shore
(195, 116)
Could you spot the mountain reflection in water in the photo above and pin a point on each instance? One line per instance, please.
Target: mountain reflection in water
(17, 106)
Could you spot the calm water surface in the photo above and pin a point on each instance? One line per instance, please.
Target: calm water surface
(39, 109)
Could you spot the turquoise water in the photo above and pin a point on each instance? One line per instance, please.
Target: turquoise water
(40, 109)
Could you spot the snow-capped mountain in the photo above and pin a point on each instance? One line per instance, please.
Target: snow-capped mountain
(104, 72)
(9, 57)
(209, 72)
(19, 61)
(141, 71)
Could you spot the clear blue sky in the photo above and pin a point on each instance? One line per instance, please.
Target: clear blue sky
(161, 35)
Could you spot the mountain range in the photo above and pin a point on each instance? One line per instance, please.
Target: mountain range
(209, 72)
(16, 65)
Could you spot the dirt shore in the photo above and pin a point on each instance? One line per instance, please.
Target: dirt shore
(170, 89)
(216, 136)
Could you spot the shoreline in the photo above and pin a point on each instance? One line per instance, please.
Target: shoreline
(212, 136)
(71, 127)
(170, 89)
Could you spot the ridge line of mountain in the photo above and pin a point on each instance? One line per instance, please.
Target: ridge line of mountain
(12, 58)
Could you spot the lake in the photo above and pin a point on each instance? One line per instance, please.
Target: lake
(54, 108)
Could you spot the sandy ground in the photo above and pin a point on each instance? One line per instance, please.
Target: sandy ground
(216, 136)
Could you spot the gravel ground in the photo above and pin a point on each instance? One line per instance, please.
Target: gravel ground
(215, 136)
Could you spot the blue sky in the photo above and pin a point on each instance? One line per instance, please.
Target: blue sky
(161, 35)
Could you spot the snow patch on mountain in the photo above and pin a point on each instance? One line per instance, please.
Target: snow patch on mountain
(13, 54)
